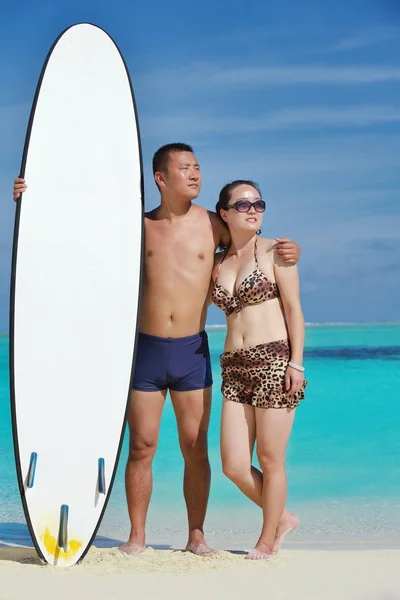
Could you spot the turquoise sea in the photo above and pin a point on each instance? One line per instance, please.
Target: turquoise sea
(343, 460)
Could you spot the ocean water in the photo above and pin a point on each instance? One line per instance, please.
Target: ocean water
(343, 458)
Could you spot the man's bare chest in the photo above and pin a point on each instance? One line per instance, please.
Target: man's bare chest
(193, 243)
(187, 256)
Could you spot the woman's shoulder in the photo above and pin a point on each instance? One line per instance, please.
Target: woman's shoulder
(265, 245)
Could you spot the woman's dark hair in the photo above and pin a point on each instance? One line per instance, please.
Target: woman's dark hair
(225, 196)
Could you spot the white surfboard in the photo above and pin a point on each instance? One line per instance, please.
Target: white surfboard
(75, 290)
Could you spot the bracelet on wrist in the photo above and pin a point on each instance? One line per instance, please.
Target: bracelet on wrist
(295, 366)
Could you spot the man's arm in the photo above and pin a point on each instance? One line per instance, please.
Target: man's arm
(287, 250)
(209, 293)
(222, 236)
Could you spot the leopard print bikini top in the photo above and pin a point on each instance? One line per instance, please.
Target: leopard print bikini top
(254, 289)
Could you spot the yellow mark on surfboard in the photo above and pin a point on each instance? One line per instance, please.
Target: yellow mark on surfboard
(53, 549)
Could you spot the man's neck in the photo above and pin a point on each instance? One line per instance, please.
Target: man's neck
(173, 208)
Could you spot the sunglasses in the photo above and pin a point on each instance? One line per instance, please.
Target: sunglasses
(243, 206)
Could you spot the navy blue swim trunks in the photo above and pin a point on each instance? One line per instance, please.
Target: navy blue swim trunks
(178, 364)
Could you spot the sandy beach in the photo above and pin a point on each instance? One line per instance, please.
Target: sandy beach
(105, 574)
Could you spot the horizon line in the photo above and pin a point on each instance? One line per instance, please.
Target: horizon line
(307, 324)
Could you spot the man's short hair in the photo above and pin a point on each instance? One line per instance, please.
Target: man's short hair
(161, 157)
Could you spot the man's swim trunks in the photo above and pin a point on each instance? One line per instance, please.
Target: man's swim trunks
(178, 364)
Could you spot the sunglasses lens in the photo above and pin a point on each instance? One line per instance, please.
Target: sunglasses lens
(243, 206)
(259, 205)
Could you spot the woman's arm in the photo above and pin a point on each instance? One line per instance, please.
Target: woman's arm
(287, 279)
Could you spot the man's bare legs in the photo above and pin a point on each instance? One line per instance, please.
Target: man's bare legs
(192, 410)
(144, 418)
(236, 454)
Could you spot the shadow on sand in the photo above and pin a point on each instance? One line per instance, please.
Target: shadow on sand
(16, 538)
(16, 544)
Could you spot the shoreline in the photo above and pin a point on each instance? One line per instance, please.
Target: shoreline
(228, 546)
(310, 325)
(330, 324)
(356, 521)
(16, 535)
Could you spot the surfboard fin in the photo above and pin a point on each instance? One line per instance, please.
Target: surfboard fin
(62, 541)
(32, 470)
(101, 476)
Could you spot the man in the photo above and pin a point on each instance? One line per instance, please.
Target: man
(172, 353)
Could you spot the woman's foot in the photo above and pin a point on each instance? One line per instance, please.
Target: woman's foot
(261, 552)
(287, 524)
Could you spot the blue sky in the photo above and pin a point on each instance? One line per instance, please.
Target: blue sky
(302, 97)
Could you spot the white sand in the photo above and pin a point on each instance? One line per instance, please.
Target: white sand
(168, 575)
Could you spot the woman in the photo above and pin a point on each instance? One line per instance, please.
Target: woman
(262, 373)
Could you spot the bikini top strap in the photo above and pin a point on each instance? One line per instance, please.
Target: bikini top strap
(255, 252)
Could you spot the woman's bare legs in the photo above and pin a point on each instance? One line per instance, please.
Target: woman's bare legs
(273, 427)
(238, 432)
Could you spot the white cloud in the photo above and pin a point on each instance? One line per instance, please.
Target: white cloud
(309, 117)
(294, 75)
(201, 76)
(369, 37)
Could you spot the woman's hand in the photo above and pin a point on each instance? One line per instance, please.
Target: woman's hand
(293, 380)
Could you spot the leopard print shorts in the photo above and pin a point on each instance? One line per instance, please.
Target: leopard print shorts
(256, 376)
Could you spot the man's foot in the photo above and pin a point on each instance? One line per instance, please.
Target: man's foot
(286, 526)
(131, 548)
(261, 552)
(200, 549)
